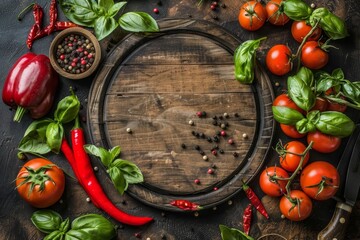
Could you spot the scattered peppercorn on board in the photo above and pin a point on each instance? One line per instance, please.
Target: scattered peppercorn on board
(171, 101)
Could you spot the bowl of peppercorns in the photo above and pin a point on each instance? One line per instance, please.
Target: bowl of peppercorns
(75, 53)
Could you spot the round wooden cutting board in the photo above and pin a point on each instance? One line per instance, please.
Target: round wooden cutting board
(155, 85)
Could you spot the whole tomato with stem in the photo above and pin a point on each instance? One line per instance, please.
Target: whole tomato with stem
(323, 143)
(278, 59)
(40, 182)
(291, 131)
(314, 55)
(252, 15)
(273, 181)
(320, 180)
(284, 100)
(296, 206)
(290, 155)
(275, 13)
(299, 29)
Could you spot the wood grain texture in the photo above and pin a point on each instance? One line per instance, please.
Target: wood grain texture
(158, 86)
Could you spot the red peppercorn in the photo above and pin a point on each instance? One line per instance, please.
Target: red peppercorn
(215, 3)
(80, 49)
(70, 44)
(75, 60)
(86, 52)
(214, 152)
(215, 188)
(83, 62)
(199, 114)
(197, 181)
(223, 133)
(73, 64)
(90, 55)
(210, 171)
(137, 235)
(156, 10)
(62, 56)
(213, 7)
(230, 141)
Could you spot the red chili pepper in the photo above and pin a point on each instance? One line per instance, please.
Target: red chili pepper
(30, 85)
(91, 185)
(185, 205)
(53, 15)
(247, 216)
(255, 201)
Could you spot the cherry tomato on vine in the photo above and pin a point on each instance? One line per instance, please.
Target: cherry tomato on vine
(296, 208)
(291, 131)
(321, 104)
(275, 13)
(333, 106)
(313, 56)
(252, 15)
(290, 155)
(40, 182)
(278, 59)
(299, 29)
(284, 100)
(320, 180)
(322, 142)
(270, 185)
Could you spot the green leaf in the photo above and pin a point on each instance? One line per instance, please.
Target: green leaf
(138, 22)
(244, 60)
(304, 126)
(286, 115)
(81, 12)
(54, 136)
(115, 9)
(338, 74)
(106, 4)
(351, 91)
(296, 9)
(67, 109)
(103, 26)
(115, 151)
(65, 225)
(335, 123)
(118, 179)
(46, 220)
(233, 234)
(56, 235)
(105, 156)
(131, 172)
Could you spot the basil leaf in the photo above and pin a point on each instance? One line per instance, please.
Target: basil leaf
(338, 74)
(332, 25)
(103, 154)
(232, 234)
(286, 115)
(46, 221)
(38, 126)
(138, 22)
(77, 235)
(67, 109)
(115, 151)
(351, 91)
(81, 12)
(64, 226)
(313, 116)
(304, 126)
(54, 136)
(114, 9)
(335, 123)
(103, 26)
(131, 172)
(106, 4)
(244, 60)
(118, 179)
(95, 226)
(296, 9)
(56, 235)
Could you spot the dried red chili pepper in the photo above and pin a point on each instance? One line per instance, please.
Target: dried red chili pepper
(64, 25)
(247, 217)
(185, 205)
(255, 201)
(87, 178)
(53, 15)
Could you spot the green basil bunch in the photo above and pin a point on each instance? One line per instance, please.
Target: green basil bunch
(244, 59)
(121, 172)
(332, 25)
(233, 234)
(296, 9)
(89, 226)
(101, 15)
(44, 136)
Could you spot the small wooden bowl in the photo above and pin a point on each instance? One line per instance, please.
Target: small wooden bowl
(60, 37)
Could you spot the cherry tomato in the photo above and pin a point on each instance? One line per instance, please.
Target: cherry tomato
(298, 207)
(291, 131)
(322, 142)
(284, 100)
(320, 180)
(291, 159)
(252, 15)
(278, 60)
(276, 13)
(321, 104)
(40, 182)
(270, 185)
(299, 29)
(313, 56)
(333, 106)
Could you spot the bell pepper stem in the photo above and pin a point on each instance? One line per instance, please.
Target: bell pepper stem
(20, 111)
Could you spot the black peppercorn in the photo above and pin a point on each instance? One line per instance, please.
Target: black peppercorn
(197, 147)
(235, 154)
(183, 146)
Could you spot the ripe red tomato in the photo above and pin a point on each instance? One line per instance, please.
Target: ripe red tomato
(278, 60)
(284, 100)
(320, 180)
(313, 56)
(321, 104)
(333, 106)
(296, 210)
(270, 185)
(275, 13)
(290, 159)
(291, 131)
(322, 142)
(40, 182)
(299, 29)
(252, 15)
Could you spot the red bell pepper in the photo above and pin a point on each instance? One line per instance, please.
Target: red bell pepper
(30, 85)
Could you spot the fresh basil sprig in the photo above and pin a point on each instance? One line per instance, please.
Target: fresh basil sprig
(121, 172)
(296, 9)
(233, 234)
(101, 14)
(244, 59)
(89, 226)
